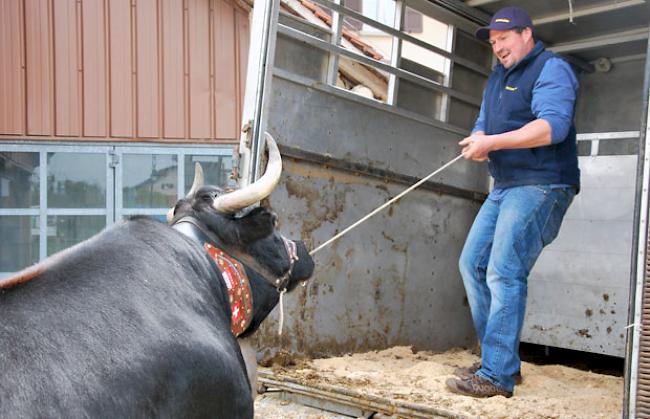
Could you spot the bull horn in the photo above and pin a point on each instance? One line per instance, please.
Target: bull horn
(199, 180)
(260, 189)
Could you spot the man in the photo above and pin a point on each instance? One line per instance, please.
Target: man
(525, 130)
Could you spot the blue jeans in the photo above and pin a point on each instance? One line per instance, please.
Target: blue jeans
(507, 237)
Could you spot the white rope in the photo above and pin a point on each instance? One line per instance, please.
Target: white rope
(570, 11)
(281, 311)
(387, 203)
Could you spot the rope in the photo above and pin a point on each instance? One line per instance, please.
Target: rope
(387, 203)
(281, 312)
(570, 11)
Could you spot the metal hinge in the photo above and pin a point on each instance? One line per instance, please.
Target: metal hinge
(113, 159)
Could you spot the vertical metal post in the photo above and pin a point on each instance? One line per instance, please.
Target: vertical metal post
(258, 86)
(119, 185)
(639, 243)
(180, 174)
(335, 39)
(110, 185)
(42, 225)
(396, 52)
(448, 72)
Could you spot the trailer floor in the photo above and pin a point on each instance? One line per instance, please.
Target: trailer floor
(399, 380)
(275, 406)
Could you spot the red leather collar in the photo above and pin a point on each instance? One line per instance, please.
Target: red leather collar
(239, 289)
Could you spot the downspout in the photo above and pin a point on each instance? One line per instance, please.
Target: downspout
(638, 259)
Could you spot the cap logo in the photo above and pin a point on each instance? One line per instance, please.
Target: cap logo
(502, 20)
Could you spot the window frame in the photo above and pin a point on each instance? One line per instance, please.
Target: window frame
(113, 211)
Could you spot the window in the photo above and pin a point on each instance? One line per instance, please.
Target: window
(49, 201)
(412, 21)
(54, 196)
(380, 10)
(384, 12)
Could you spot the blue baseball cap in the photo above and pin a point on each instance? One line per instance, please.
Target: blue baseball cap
(507, 18)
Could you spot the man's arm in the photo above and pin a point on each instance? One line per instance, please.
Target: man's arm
(536, 133)
(553, 103)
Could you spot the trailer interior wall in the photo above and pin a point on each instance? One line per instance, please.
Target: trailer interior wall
(394, 280)
(586, 271)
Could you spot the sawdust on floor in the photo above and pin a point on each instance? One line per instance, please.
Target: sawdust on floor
(400, 373)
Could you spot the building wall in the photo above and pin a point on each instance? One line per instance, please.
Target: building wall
(152, 70)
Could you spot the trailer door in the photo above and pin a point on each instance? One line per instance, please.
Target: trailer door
(364, 98)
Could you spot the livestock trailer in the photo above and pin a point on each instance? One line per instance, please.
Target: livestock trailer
(357, 123)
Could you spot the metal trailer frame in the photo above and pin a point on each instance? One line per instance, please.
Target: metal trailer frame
(636, 397)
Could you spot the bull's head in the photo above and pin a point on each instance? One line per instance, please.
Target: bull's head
(248, 234)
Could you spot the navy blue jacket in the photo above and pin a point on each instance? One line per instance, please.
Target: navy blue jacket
(506, 106)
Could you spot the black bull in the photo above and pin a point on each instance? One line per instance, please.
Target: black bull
(135, 322)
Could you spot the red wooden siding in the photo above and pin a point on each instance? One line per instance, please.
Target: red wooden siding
(199, 68)
(38, 52)
(95, 69)
(225, 98)
(67, 75)
(147, 68)
(12, 76)
(151, 70)
(121, 68)
(173, 69)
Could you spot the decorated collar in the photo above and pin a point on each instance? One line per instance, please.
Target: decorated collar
(233, 273)
(239, 289)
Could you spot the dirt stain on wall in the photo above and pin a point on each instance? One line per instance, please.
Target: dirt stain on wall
(322, 205)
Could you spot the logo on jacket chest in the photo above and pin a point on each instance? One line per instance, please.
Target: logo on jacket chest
(239, 289)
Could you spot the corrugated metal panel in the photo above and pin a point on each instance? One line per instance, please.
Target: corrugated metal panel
(173, 73)
(95, 74)
(147, 69)
(40, 86)
(199, 68)
(226, 100)
(122, 69)
(12, 99)
(67, 66)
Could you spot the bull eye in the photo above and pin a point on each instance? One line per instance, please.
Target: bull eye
(206, 197)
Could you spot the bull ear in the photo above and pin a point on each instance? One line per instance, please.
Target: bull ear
(199, 180)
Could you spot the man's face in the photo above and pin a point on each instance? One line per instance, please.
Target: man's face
(511, 47)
